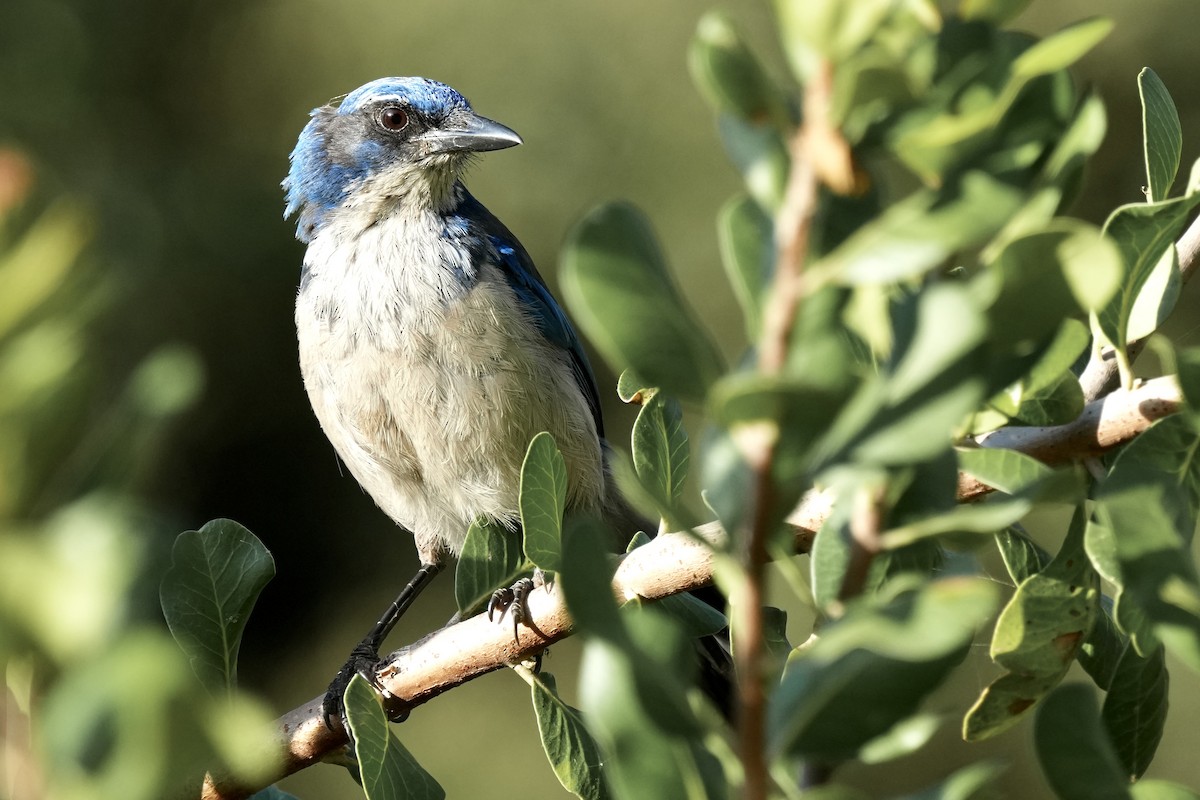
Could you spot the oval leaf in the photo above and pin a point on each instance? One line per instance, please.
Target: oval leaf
(1162, 137)
(1135, 708)
(543, 498)
(216, 575)
(491, 558)
(616, 282)
(388, 771)
(573, 753)
(1075, 755)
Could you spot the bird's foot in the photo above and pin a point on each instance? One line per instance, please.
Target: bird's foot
(364, 660)
(513, 600)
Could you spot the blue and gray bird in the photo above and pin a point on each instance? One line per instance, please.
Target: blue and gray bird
(430, 347)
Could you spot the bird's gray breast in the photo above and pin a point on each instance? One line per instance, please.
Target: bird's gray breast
(430, 378)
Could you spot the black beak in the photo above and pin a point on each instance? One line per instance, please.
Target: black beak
(475, 135)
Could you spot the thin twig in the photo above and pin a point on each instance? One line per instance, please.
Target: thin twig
(793, 223)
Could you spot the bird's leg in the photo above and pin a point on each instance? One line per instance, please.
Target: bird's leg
(364, 658)
(513, 599)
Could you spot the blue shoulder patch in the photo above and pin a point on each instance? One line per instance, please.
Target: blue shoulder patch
(529, 287)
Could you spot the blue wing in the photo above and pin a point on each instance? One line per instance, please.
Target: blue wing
(532, 290)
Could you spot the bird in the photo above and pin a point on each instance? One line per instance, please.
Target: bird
(431, 349)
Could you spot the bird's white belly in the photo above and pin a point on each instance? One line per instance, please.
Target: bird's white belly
(433, 411)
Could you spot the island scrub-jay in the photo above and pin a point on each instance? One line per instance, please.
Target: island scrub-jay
(430, 347)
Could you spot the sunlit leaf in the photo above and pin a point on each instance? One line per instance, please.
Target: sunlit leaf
(542, 500)
(1037, 636)
(1162, 137)
(387, 769)
(746, 235)
(661, 453)
(616, 281)
(920, 232)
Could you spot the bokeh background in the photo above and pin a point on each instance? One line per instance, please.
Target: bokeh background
(165, 127)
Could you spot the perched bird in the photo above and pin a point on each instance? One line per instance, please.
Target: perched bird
(431, 349)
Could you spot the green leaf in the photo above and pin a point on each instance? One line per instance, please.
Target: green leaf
(1067, 268)
(1057, 404)
(1007, 470)
(1162, 790)
(1135, 709)
(1156, 298)
(40, 262)
(215, 576)
(1061, 50)
(921, 231)
(729, 75)
(871, 668)
(760, 156)
(697, 617)
(1185, 365)
(908, 414)
(543, 498)
(1162, 136)
(746, 237)
(1022, 556)
(641, 759)
(1104, 647)
(935, 145)
(573, 753)
(387, 769)
(1049, 393)
(491, 558)
(1143, 232)
(1037, 636)
(617, 284)
(1081, 139)
(972, 782)
(1149, 504)
(1075, 755)
(129, 721)
(832, 28)
(904, 738)
(660, 452)
(789, 409)
(586, 581)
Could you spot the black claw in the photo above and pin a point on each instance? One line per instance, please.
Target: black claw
(364, 660)
(500, 601)
(513, 599)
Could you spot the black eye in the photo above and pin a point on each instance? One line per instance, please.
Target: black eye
(393, 118)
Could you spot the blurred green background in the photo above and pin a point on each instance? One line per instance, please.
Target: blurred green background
(167, 126)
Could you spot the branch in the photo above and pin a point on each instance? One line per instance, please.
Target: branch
(672, 563)
(1104, 424)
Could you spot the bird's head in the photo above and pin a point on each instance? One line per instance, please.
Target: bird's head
(391, 140)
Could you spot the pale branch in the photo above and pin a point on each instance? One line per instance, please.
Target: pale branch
(1104, 424)
(670, 564)
(1099, 377)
